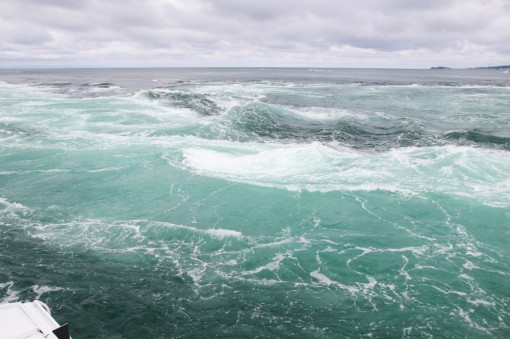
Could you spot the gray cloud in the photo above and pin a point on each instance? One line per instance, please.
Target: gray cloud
(366, 33)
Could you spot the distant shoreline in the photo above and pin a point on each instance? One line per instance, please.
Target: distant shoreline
(486, 67)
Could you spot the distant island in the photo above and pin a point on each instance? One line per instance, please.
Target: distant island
(486, 67)
(495, 67)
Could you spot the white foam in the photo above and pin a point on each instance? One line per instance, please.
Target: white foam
(321, 278)
(465, 315)
(218, 233)
(481, 302)
(196, 274)
(327, 281)
(303, 240)
(12, 205)
(465, 172)
(40, 290)
(277, 165)
(468, 265)
(327, 114)
(13, 209)
(462, 294)
(271, 266)
(223, 233)
(11, 295)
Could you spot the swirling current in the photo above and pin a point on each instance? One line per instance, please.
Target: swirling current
(154, 203)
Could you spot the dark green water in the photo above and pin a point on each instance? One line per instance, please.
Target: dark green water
(258, 203)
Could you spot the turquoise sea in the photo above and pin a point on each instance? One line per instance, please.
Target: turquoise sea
(258, 203)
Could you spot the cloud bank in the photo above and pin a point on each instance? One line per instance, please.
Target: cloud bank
(327, 33)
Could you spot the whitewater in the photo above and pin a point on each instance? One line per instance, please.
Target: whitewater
(252, 202)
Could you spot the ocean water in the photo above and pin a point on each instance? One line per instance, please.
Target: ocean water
(240, 203)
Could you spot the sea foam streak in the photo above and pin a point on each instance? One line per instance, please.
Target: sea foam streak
(462, 171)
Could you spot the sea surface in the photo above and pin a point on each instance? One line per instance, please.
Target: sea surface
(258, 203)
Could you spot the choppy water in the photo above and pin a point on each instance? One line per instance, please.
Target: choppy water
(258, 202)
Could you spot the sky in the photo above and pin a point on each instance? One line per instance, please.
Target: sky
(257, 33)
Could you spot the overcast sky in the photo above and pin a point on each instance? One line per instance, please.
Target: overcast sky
(308, 33)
